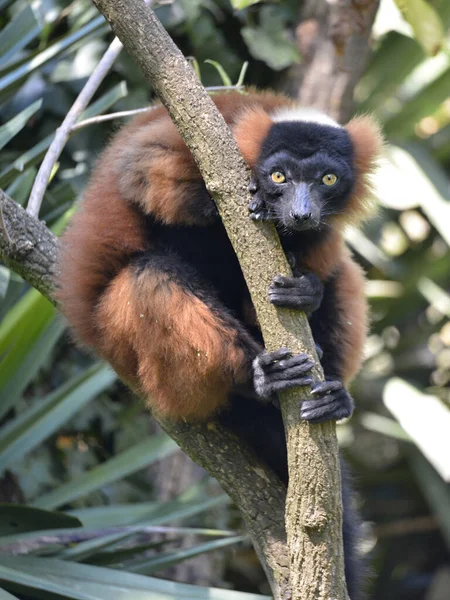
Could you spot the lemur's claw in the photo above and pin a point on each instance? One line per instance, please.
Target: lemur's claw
(330, 401)
(280, 370)
(304, 292)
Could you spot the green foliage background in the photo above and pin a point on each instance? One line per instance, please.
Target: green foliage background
(73, 439)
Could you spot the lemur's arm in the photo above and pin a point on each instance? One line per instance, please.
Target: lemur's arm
(339, 325)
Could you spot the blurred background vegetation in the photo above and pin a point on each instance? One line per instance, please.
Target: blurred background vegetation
(73, 439)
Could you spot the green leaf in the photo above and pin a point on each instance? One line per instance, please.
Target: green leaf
(242, 74)
(425, 418)
(17, 518)
(22, 372)
(33, 426)
(26, 160)
(425, 22)
(86, 582)
(17, 76)
(435, 490)
(223, 74)
(105, 101)
(12, 127)
(269, 41)
(150, 565)
(4, 595)
(150, 513)
(21, 329)
(19, 32)
(37, 152)
(241, 4)
(129, 461)
(20, 189)
(5, 275)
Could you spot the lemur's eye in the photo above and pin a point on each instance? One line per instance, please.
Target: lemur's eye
(278, 177)
(329, 179)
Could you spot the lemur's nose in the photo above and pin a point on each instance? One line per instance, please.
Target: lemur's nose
(301, 216)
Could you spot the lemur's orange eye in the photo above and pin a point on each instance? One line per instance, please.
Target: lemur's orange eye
(329, 179)
(278, 177)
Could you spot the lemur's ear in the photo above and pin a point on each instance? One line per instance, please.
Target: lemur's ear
(368, 142)
(250, 131)
(367, 139)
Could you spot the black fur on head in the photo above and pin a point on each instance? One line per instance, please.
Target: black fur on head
(297, 161)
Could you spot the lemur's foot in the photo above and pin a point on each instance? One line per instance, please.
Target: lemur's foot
(301, 293)
(331, 401)
(280, 370)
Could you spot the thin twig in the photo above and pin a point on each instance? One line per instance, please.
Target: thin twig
(110, 116)
(63, 132)
(130, 113)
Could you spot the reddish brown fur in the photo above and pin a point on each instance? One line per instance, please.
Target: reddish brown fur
(368, 144)
(325, 257)
(250, 131)
(177, 350)
(352, 312)
(175, 344)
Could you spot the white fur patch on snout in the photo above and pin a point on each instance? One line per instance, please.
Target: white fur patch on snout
(307, 115)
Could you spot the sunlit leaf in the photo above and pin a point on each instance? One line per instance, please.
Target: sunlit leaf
(86, 582)
(20, 331)
(241, 4)
(425, 22)
(425, 418)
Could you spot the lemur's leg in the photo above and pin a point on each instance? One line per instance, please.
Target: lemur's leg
(161, 326)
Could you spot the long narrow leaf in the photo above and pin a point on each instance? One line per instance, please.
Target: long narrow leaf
(18, 33)
(22, 372)
(33, 426)
(151, 565)
(9, 81)
(22, 327)
(131, 460)
(12, 127)
(150, 513)
(86, 581)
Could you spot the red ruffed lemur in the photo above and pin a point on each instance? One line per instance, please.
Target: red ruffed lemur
(150, 280)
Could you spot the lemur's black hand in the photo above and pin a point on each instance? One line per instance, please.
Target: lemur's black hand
(330, 401)
(301, 293)
(257, 206)
(280, 370)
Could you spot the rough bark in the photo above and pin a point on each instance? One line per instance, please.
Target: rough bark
(27, 246)
(314, 523)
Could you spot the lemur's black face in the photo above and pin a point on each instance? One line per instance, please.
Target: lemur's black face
(304, 174)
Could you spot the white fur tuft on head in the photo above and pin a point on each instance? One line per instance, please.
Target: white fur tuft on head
(307, 115)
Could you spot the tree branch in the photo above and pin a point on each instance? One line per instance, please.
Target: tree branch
(314, 509)
(63, 132)
(32, 252)
(27, 246)
(333, 40)
(315, 524)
